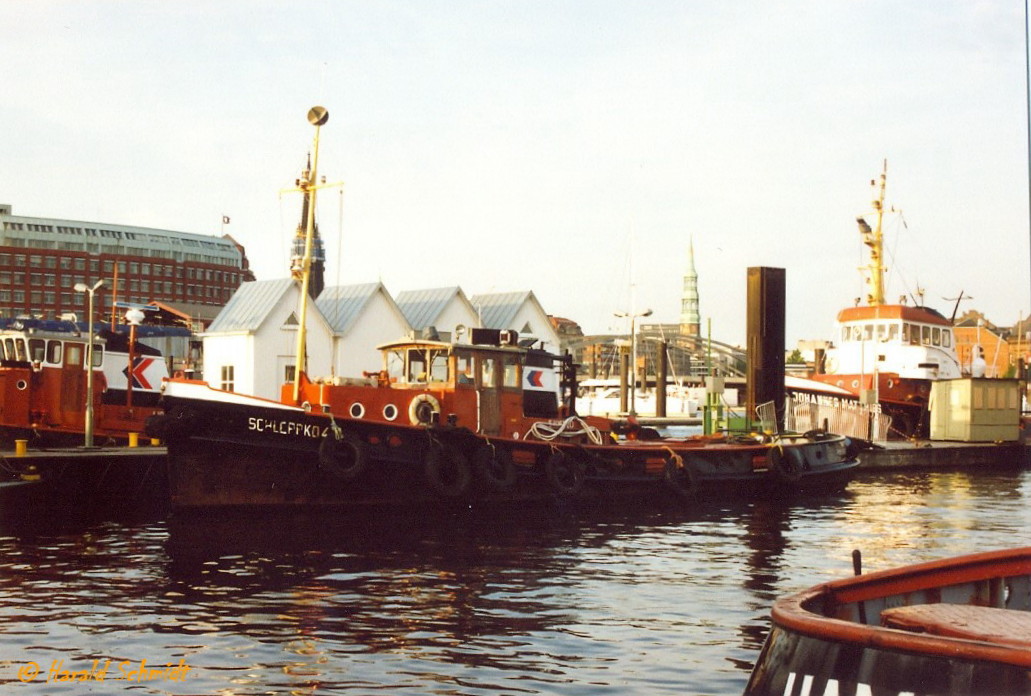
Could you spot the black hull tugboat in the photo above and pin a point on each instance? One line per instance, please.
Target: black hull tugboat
(955, 627)
(478, 421)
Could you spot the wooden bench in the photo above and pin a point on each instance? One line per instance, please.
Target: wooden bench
(1000, 626)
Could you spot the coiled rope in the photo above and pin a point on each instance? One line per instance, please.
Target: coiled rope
(570, 427)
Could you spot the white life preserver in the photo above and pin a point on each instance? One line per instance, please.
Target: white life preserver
(422, 409)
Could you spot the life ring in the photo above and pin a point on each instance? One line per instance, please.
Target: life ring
(786, 464)
(423, 409)
(680, 477)
(495, 469)
(564, 474)
(447, 471)
(343, 455)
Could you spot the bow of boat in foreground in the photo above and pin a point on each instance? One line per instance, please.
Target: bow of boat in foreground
(953, 627)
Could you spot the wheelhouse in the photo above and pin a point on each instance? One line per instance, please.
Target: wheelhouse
(897, 332)
(47, 351)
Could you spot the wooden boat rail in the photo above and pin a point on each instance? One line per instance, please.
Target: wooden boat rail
(850, 610)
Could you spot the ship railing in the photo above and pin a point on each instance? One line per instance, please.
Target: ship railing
(848, 418)
(766, 414)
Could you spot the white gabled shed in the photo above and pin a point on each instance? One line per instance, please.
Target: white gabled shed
(440, 309)
(251, 345)
(520, 311)
(362, 317)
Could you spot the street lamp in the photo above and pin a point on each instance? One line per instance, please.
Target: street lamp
(82, 287)
(633, 354)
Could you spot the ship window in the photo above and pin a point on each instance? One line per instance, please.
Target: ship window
(893, 332)
(54, 352)
(867, 332)
(511, 371)
(9, 348)
(489, 374)
(37, 349)
(464, 368)
(20, 350)
(936, 336)
(946, 338)
(73, 354)
(416, 366)
(438, 366)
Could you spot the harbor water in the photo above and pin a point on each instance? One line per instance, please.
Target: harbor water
(543, 601)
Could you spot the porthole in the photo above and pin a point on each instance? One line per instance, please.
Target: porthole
(390, 412)
(357, 410)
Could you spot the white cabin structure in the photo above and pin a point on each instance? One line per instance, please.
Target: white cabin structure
(251, 345)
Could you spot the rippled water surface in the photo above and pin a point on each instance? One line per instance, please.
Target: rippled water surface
(670, 601)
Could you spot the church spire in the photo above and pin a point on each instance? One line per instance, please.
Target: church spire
(317, 280)
(690, 318)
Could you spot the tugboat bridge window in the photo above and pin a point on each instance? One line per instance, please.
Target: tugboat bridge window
(464, 368)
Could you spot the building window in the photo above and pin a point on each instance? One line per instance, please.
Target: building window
(228, 381)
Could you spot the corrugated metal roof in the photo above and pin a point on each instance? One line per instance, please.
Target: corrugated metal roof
(423, 308)
(250, 305)
(343, 304)
(498, 310)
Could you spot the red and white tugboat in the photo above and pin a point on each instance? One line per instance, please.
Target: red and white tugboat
(955, 627)
(43, 383)
(479, 421)
(888, 353)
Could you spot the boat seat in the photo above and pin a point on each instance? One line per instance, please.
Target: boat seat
(1001, 626)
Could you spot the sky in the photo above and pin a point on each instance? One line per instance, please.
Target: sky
(575, 148)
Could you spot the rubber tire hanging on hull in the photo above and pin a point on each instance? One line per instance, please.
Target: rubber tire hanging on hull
(345, 458)
(494, 469)
(447, 471)
(786, 464)
(565, 475)
(680, 477)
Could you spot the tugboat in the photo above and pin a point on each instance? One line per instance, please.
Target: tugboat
(479, 420)
(887, 353)
(954, 627)
(43, 383)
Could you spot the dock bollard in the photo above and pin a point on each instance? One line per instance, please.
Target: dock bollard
(155, 442)
(134, 439)
(20, 447)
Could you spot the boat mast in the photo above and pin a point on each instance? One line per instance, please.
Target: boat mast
(874, 239)
(317, 116)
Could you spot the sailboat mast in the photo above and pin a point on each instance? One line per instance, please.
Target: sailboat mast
(317, 116)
